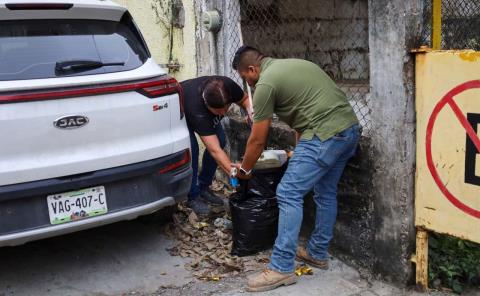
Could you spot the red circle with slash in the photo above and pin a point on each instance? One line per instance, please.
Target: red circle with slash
(448, 99)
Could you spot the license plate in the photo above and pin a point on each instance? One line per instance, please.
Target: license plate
(76, 205)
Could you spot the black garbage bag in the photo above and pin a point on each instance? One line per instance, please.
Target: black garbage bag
(254, 212)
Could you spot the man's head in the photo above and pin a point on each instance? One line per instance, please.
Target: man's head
(216, 96)
(247, 61)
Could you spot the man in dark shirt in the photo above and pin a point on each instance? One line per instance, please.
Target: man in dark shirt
(207, 100)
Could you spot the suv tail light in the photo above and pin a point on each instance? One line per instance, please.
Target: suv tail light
(152, 88)
(164, 86)
(185, 160)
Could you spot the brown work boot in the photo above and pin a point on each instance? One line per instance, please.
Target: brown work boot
(302, 255)
(269, 280)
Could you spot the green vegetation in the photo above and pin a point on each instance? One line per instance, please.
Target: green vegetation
(453, 263)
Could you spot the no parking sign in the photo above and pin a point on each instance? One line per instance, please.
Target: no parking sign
(448, 145)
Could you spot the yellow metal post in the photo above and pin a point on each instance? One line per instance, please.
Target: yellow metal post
(421, 259)
(437, 24)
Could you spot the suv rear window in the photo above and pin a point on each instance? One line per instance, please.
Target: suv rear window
(30, 49)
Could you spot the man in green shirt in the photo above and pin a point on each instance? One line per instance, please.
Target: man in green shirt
(304, 97)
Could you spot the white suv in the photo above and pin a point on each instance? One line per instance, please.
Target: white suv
(92, 129)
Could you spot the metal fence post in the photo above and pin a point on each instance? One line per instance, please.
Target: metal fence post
(437, 24)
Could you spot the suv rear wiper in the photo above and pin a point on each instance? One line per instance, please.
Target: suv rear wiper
(79, 65)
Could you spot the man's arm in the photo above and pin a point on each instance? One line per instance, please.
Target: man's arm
(245, 104)
(264, 103)
(256, 143)
(213, 146)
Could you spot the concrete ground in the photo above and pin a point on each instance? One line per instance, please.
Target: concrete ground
(129, 258)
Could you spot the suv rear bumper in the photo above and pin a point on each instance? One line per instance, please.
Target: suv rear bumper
(20, 238)
(131, 191)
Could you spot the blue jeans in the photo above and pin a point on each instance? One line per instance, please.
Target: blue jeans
(209, 165)
(318, 165)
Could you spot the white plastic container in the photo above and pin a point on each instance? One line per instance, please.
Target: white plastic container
(271, 159)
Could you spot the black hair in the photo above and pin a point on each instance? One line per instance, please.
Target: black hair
(246, 56)
(216, 94)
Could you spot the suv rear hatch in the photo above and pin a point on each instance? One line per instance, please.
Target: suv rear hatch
(79, 95)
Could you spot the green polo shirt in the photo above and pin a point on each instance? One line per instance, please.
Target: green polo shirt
(303, 96)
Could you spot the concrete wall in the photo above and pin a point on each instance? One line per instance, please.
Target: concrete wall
(210, 45)
(155, 21)
(394, 30)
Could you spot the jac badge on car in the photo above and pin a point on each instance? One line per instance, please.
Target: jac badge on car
(71, 122)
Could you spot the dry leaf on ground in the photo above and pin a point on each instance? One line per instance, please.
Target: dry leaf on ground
(208, 245)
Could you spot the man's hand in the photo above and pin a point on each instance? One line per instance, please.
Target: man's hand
(240, 174)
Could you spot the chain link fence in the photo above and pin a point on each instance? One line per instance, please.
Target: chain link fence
(460, 24)
(233, 36)
(331, 33)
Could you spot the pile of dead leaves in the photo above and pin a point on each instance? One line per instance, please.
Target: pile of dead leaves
(208, 246)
